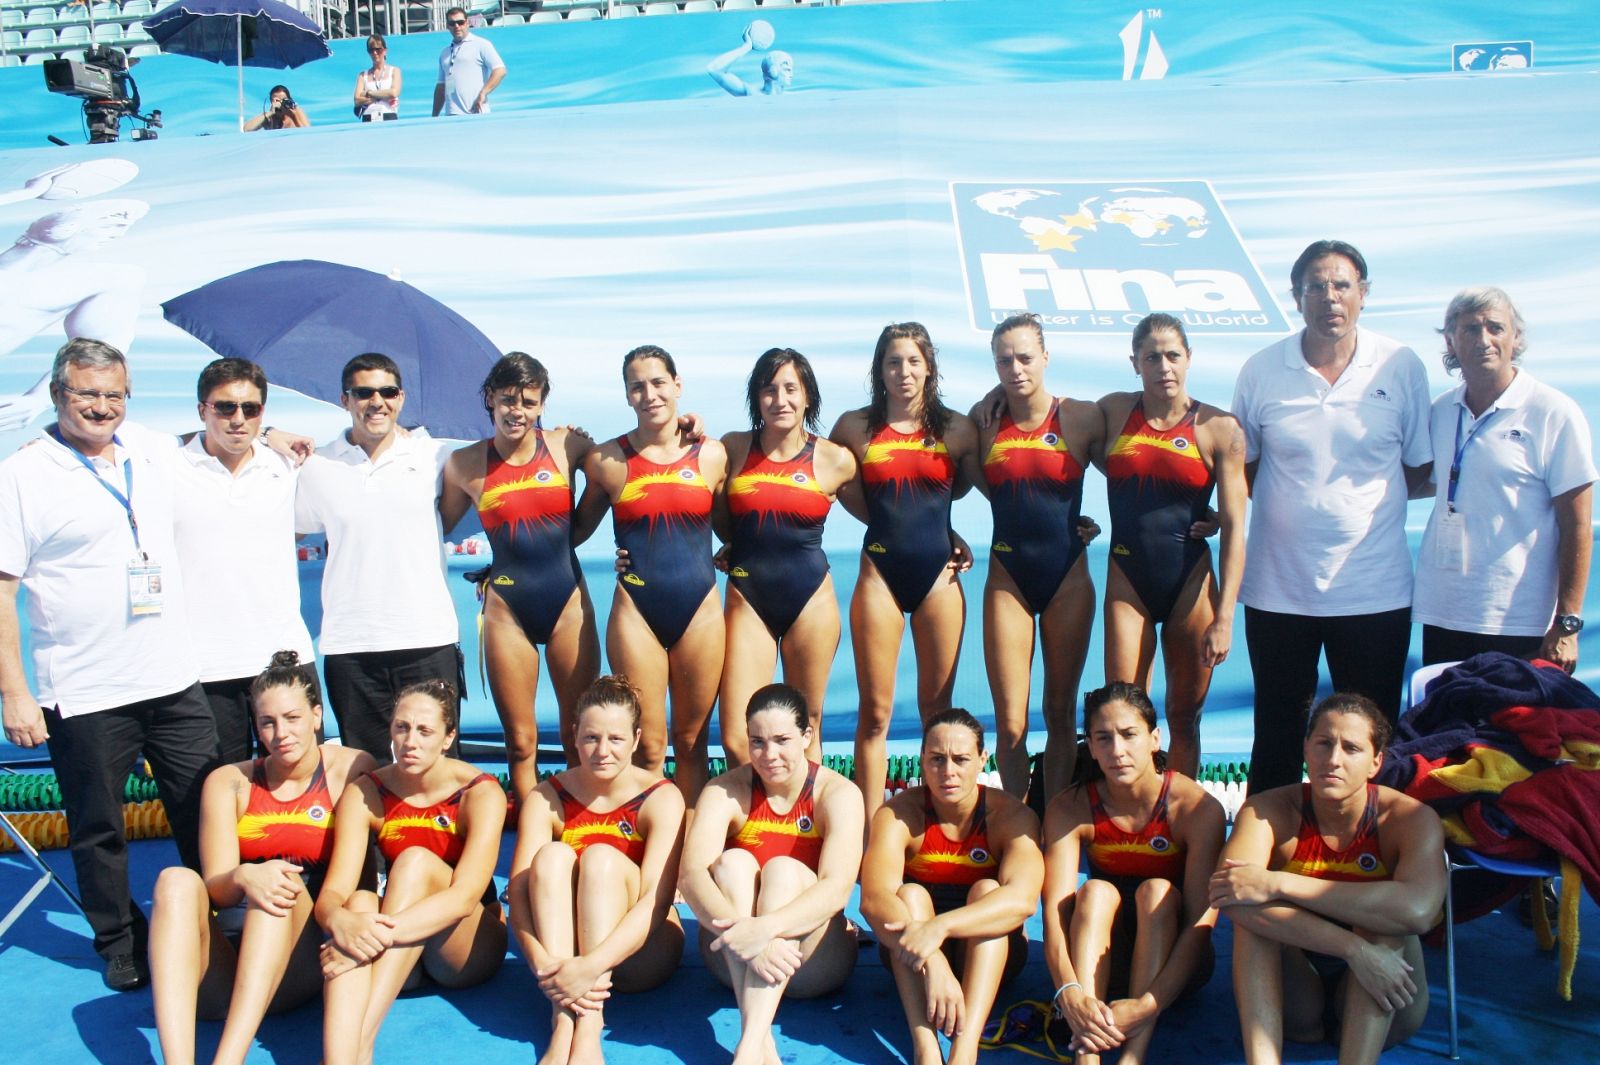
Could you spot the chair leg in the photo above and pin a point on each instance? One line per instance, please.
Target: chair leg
(47, 876)
(1450, 956)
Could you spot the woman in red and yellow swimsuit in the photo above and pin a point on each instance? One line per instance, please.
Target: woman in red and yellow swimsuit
(952, 871)
(1127, 943)
(770, 860)
(239, 943)
(593, 874)
(437, 822)
(1328, 885)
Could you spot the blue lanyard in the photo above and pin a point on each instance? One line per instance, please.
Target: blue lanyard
(1461, 450)
(127, 472)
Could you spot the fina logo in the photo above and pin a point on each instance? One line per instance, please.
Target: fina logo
(1492, 55)
(1092, 258)
(1155, 60)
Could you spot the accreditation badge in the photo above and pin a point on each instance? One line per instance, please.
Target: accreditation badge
(1450, 542)
(144, 588)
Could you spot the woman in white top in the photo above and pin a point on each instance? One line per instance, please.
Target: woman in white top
(378, 89)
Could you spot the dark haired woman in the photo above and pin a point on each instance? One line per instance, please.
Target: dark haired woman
(238, 942)
(1328, 884)
(1033, 462)
(281, 113)
(1122, 947)
(593, 874)
(1164, 452)
(952, 871)
(665, 632)
(437, 822)
(377, 93)
(914, 456)
(521, 482)
(780, 595)
(771, 857)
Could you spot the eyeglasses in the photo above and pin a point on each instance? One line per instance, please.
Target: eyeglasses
(227, 408)
(1335, 288)
(94, 395)
(376, 51)
(365, 392)
(457, 21)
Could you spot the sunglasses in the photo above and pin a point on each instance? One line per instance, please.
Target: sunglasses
(376, 51)
(458, 22)
(227, 408)
(364, 392)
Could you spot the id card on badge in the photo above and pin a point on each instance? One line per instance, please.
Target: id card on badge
(144, 588)
(1450, 542)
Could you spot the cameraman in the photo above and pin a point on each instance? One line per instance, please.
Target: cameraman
(281, 113)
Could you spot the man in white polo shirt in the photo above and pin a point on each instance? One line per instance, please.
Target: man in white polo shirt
(235, 535)
(86, 528)
(387, 617)
(1505, 558)
(1336, 435)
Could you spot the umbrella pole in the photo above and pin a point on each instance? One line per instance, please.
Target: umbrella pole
(238, 40)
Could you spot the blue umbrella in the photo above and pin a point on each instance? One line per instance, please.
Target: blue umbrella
(243, 33)
(303, 320)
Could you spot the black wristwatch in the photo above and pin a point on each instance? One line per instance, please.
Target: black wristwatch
(1570, 624)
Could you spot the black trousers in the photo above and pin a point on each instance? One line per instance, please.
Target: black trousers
(236, 719)
(361, 688)
(93, 754)
(1452, 645)
(1366, 654)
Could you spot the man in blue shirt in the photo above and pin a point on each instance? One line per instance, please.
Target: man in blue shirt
(469, 70)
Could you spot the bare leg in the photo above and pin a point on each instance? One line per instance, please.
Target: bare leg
(413, 876)
(634, 652)
(1188, 678)
(1064, 629)
(1094, 915)
(985, 964)
(936, 629)
(1008, 656)
(267, 948)
(512, 663)
(550, 904)
(1367, 1029)
(189, 959)
(573, 658)
(608, 884)
(808, 650)
(344, 1001)
(694, 669)
(913, 992)
(1130, 633)
(876, 629)
(750, 662)
(1158, 907)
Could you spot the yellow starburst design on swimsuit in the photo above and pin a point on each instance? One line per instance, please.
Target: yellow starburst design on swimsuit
(494, 497)
(885, 450)
(636, 488)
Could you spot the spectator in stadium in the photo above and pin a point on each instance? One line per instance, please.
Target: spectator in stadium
(1335, 420)
(378, 87)
(281, 113)
(469, 70)
(1505, 558)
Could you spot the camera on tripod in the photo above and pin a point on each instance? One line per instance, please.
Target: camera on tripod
(107, 90)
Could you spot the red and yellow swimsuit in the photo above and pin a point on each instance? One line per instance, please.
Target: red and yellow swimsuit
(1128, 858)
(946, 867)
(434, 828)
(297, 830)
(581, 827)
(1360, 861)
(768, 834)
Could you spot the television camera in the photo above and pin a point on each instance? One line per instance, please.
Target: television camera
(108, 92)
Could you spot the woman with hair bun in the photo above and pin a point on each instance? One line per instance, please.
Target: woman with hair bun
(593, 874)
(1127, 943)
(771, 857)
(437, 822)
(236, 941)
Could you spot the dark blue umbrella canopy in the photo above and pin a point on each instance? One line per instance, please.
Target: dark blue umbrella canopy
(303, 320)
(252, 33)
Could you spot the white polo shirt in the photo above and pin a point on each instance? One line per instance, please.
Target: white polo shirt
(235, 537)
(384, 585)
(68, 540)
(1328, 506)
(1531, 445)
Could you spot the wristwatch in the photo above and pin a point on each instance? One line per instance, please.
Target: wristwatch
(1571, 624)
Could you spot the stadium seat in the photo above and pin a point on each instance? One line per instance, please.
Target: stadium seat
(13, 39)
(583, 14)
(545, 16)
(693, 6)
(38, 57)
(40, 14)
(75, 34)
(141, 51)
(621, 11)
(780, 3)
(10, 61)
(137, 7)
(106, 11)
(660, 7)
(738, 5)
(512, 19)
(107, 32)
(41, 38)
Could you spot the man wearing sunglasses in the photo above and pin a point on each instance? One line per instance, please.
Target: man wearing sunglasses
(387, 616)
(235, 536)
(86, 527)
(469, 70)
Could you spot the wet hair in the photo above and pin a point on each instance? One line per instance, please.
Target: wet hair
(85, 354)
(286, 671)
(441, 692)
(1118, 691)
(782, 697)
(648, 351)
(612, 689)
(954, 716)
(366, 361)
(1018, 321)
(1352, 703)
(935, 415)
(1476, 300)
(518, 370)
(767, 366)
(1152, 323)
(221, 372)
(1320, 250)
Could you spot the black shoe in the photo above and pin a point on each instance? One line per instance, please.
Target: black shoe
(126, 972)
